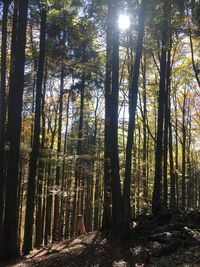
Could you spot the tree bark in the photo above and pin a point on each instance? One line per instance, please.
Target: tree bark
(3, 113)
(166, 127)
(113, 131)
(156, 201)
(106, 224)
(29, 217)
(41, 175)
(59, 149)
(10, 235)
(133, 95)
(184, 133)
(79, 162)
(144, 122)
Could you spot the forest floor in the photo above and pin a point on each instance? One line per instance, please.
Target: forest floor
(158, 243)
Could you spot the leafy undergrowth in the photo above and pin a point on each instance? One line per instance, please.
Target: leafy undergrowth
(153, 242)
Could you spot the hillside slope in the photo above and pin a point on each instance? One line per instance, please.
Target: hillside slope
(92, 250)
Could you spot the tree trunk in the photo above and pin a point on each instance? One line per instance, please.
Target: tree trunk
(183, 185)
(133, 93)
(171, 161)
(166, 128)
(176, 150)
(41, 175)
(10, 234)
(139, 169)
(58, 168)
(190, 178)
(144, 122)
(49, 198)
(3, 113)
(113, 131)
(29, 217)
(156, 201)
(66, 199)
(107, 167)
(79, 162)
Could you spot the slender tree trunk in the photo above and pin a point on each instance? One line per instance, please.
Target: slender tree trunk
(171, 161)
(144, 157)
(139, 168)
(166, 128)
(106, 225)
(66, 201)
(41, 175)
(97, 205)
(21, 200)
(156, 202)
(176, 150)
(79, 162)
(183, 185)
(93, 170)
(3, 113)
(133, 93)
(165, 161)
(29, 217)
(58, 168)
(190, 179)
(49, 198)
(48, 211)
(10, 235)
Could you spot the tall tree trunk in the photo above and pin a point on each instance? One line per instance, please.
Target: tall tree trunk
(113, 131)
(93, 170)
(176, 150)
(139, 168)
(171, 161)
(41, 175)
(49, 198)
(3, 112)
(184, 133)
(166, 127)
(79, 162)
(59, 149)
(133, 93)
(190, 178)
(11, 80)
(29, 218)
(10, 235)
(106, 224)
(144, 157)
(66, 199)
(156, 202)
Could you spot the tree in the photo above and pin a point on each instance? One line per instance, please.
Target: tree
(107, 178)
(113, 131)
(6, 5)
(133, 93)
(36, 139)
(10, 234)
(156, 202)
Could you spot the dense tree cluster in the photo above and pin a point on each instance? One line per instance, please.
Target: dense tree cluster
(97, 124)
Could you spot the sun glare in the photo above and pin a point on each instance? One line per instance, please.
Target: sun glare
(124, 22)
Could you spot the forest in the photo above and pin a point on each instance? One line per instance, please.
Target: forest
(99, 131)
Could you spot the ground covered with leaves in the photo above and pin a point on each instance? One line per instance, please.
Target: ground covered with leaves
(170, 239)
